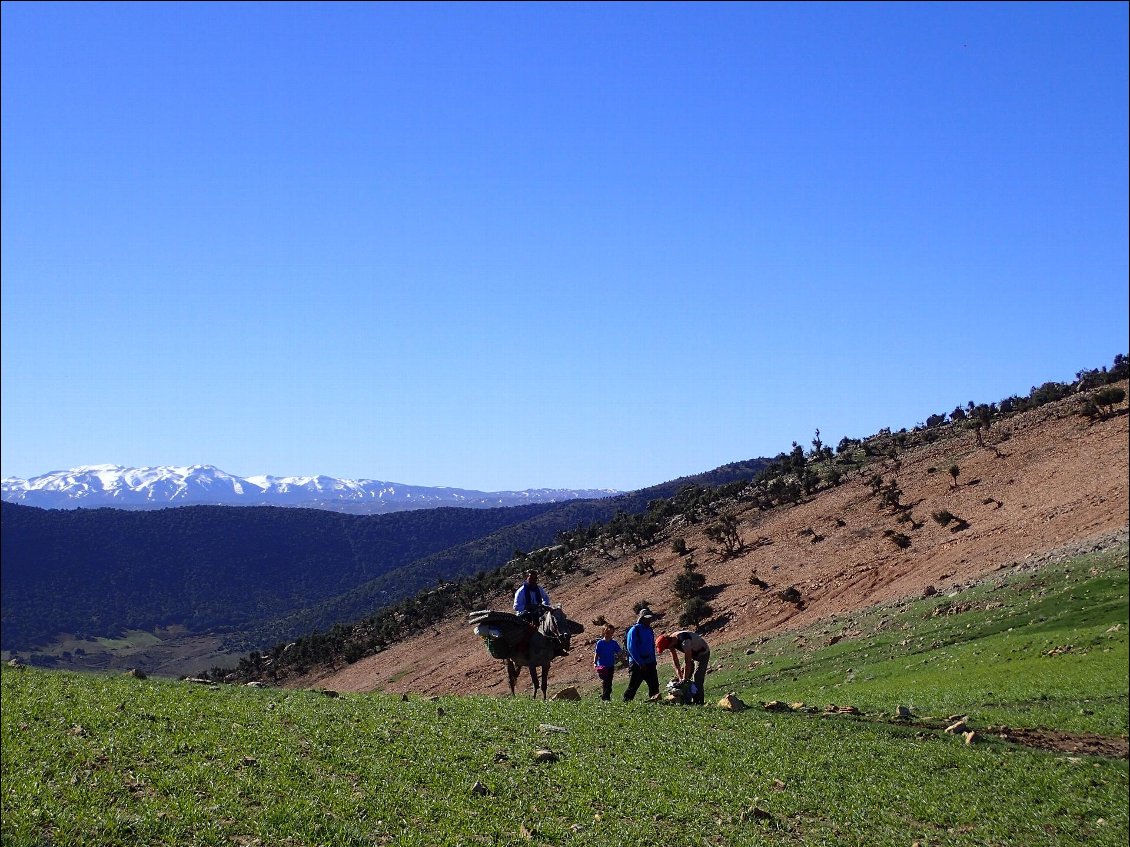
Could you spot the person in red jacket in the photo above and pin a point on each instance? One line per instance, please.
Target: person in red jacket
(696, 657)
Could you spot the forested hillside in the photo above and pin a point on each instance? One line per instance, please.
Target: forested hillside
(207, 568)
(261, 574)
(484, 555)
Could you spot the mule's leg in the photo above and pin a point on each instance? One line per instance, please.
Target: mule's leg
(544, 679)
(534, 678)
(512, 671)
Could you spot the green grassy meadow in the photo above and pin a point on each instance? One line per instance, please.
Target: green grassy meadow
(1045, 648)
(112, 760)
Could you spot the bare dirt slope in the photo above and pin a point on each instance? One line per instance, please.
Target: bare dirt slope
(1045, 480)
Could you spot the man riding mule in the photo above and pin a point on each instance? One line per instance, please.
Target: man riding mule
(531, 600)
(521, 643)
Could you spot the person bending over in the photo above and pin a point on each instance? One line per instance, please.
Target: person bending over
(696, 658)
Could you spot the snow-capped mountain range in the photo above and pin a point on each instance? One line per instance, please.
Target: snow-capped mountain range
(96, 486)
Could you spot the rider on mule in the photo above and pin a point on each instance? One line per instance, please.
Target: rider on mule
(531, 602)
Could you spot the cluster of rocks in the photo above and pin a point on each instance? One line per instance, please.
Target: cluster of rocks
(1097, 544)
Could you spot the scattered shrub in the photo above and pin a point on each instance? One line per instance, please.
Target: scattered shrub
(694, 612)
(688, 583)
(790, 595)
(644, 566)
(1109, 397)
(899, 539)
(725, 533)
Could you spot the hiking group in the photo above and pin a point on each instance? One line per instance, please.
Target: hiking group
(643, 650)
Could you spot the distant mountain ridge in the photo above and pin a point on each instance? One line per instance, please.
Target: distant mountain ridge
(114, 486)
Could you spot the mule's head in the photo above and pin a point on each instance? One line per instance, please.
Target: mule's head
(558, 624)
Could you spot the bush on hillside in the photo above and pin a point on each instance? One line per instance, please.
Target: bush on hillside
(725, 534)
(695, 611)
(1108, 398)
(899, 539)
(689, 582)
(1048, 393)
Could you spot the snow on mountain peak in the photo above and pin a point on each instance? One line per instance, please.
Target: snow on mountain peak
(94, 486)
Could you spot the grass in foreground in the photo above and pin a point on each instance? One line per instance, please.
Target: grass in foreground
(117, 761)
(112, 760)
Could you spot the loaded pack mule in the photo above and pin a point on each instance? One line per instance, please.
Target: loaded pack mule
(521, 643)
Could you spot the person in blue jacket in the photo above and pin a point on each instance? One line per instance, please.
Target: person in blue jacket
(607, 649)
(640, 641)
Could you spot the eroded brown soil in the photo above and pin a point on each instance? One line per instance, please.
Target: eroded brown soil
(1068, 742)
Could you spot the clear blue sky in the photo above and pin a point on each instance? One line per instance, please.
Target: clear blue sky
(541, 245)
